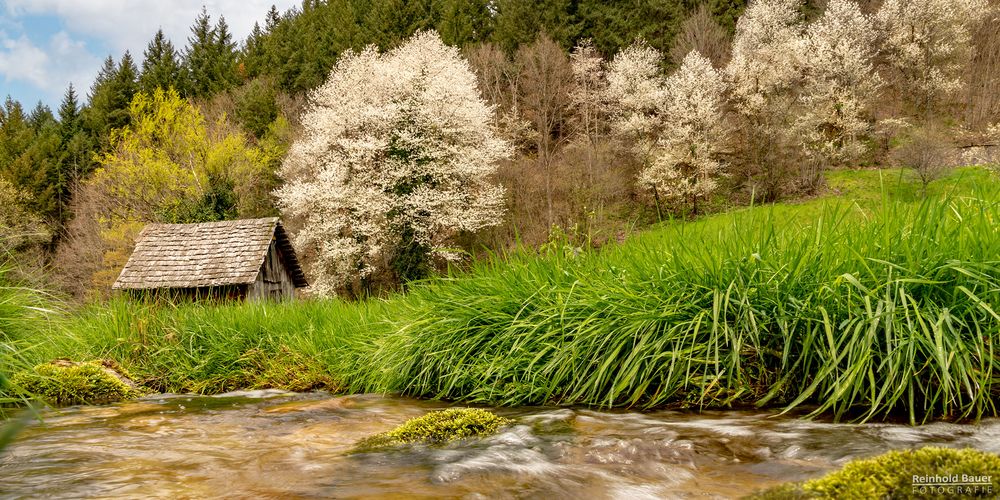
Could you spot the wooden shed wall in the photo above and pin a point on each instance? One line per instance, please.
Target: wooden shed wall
(274, 281)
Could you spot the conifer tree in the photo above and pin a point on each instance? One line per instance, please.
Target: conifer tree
(253, 57)
(272, 19)
(198, 57)
(160, 67)
(224, 55)
(465, 21)
(125, 85)
(76, 151)
(110, 96)
(69, 112)
(519, 23)
(29, 148)
(15, 136)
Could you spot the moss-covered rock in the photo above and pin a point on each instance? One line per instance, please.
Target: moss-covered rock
(64, 382)
(892, 475)
(439, 427)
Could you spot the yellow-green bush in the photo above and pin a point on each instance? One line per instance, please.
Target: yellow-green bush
(439, 427)
(891, 475)
(74, 383)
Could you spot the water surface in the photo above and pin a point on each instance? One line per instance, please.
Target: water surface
(272, 444)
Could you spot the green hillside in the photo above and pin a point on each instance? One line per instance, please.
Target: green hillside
(872, 297)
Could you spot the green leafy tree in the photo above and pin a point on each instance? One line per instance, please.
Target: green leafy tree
(256, 108)
(171, 165)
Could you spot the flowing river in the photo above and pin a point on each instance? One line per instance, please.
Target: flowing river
(272, 444)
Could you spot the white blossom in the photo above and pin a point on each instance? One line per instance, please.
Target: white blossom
(397, 146)
(839, 83)
(765, 57)
(686, 162)
(636, 86)
(927, 42)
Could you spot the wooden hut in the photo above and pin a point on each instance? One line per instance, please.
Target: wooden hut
(241, 259)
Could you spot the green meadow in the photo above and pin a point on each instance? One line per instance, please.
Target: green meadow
(877, 300)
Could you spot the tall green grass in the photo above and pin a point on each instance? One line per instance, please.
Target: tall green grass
(23, 313)
(887, 306)
(212, 349)
(876, 311)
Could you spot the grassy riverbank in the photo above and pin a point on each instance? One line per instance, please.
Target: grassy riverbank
(869, 302)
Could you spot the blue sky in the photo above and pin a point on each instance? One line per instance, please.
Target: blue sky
(46, 44)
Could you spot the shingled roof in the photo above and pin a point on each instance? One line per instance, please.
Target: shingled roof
(206, 255)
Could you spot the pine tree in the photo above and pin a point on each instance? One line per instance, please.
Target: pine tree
(95, 116)
(40, 117)
(76, 152)
(110, 96)
(29, 146)
(198, 57)
(69, 112)
(15, 135)
(253, 57)
(160, 67)
(104, 76)
(210, 57)
(224, 54)
(519, 23)
(464, 21)
(272, 19)
(124, 88)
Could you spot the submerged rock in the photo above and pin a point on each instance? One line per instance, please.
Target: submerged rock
(929, 471)
(439, 427)
(64, 382)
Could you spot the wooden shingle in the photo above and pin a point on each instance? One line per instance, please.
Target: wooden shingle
(209, 254)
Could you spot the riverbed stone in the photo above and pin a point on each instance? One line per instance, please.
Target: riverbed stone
(439, 427)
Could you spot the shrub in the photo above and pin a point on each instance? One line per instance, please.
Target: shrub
(891, 476)
(66, 383)
(439, 427)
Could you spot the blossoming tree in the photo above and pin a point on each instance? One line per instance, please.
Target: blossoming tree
(635, 86)
(397, 158)
(686, 164)
(839, 84)
(764, 73)
(926, 46)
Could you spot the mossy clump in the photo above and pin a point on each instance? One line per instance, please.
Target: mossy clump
(947, 472)
(438, 427)
(68, 383)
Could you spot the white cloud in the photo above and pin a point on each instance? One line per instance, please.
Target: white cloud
(130, 24)
(21, 60)
(119, 24)
(49, 68)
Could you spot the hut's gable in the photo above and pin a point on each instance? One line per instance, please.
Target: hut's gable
(212, 254)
